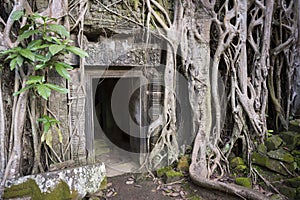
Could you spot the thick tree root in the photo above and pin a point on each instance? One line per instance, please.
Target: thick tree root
(227, 188)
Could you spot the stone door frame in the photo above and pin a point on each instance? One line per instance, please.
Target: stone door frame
(96, 72)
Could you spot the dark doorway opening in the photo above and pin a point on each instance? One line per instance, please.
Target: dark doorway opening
(117, 106)
(109, 120)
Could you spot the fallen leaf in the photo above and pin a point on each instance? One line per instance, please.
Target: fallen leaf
(130, 182)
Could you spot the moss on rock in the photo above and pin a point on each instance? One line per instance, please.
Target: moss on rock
(25, 189)
(244, 181)
(273, 165)
(281, 155)
(236, 161)
(32, 190)
(162, 171)
(288, 191)
(61, 191)
(273, 142)
(103, 185)
(290, 138)
(295, 125)
(240, 168)
(262, 148)
(172, 176)
(183, 164)
(293, 182)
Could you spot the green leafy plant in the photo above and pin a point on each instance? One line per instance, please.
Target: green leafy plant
(42, 45)
(45, 44)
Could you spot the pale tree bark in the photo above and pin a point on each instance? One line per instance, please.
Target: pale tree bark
(2, 132)
(200, 89)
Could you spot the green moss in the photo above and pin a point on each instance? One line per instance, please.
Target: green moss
(281, 155)
(194, 198)
(276, 197)
(26, 189)
(269, 175)
(243, 181)
(295, 125)
(103, 184)
(291, 139)
(183, 164)
(61, 191)
(293, 182)
(172, 176)
(259, 159)
(162, 171)
(31, 189)
(262, 149)
(240, 168)
(273, 142)
(236, 161)
(287, 191)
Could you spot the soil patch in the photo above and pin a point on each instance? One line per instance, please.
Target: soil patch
(142, 187)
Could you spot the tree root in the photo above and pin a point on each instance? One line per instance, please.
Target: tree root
(227, 188)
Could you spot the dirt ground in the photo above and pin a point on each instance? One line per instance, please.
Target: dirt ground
(141, 187)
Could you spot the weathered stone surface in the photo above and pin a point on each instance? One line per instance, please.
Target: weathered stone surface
(290, 138)
(296, 155)
(281, 155)
(80, 180)
(269, 175)
(294, 125)
(122, 51)
(271, 164)
(262, 148)
(276, 197)
(244, 181)
(287, 191)
(273, 142)
(293, 182)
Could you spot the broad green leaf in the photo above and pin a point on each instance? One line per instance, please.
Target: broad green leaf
(43, 137)
(34, 44)
(13, 64)
(59, 29)
(20, 60)
(48, 38)
(27, 34)
(43, 46)
(77, 51)
(54, 49)
(35, 80)
(57, 88)
(49, 138)
(25, 28)
(58, 41)
(65, 65)
(41, 58)
(11, 56)
(23, 90)
(27, 54)
(39, 66)
(43, 91)
(60, 136)
(67, 41)
(61, 70)
(2, 53)
(46, 128)
(16, 15)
